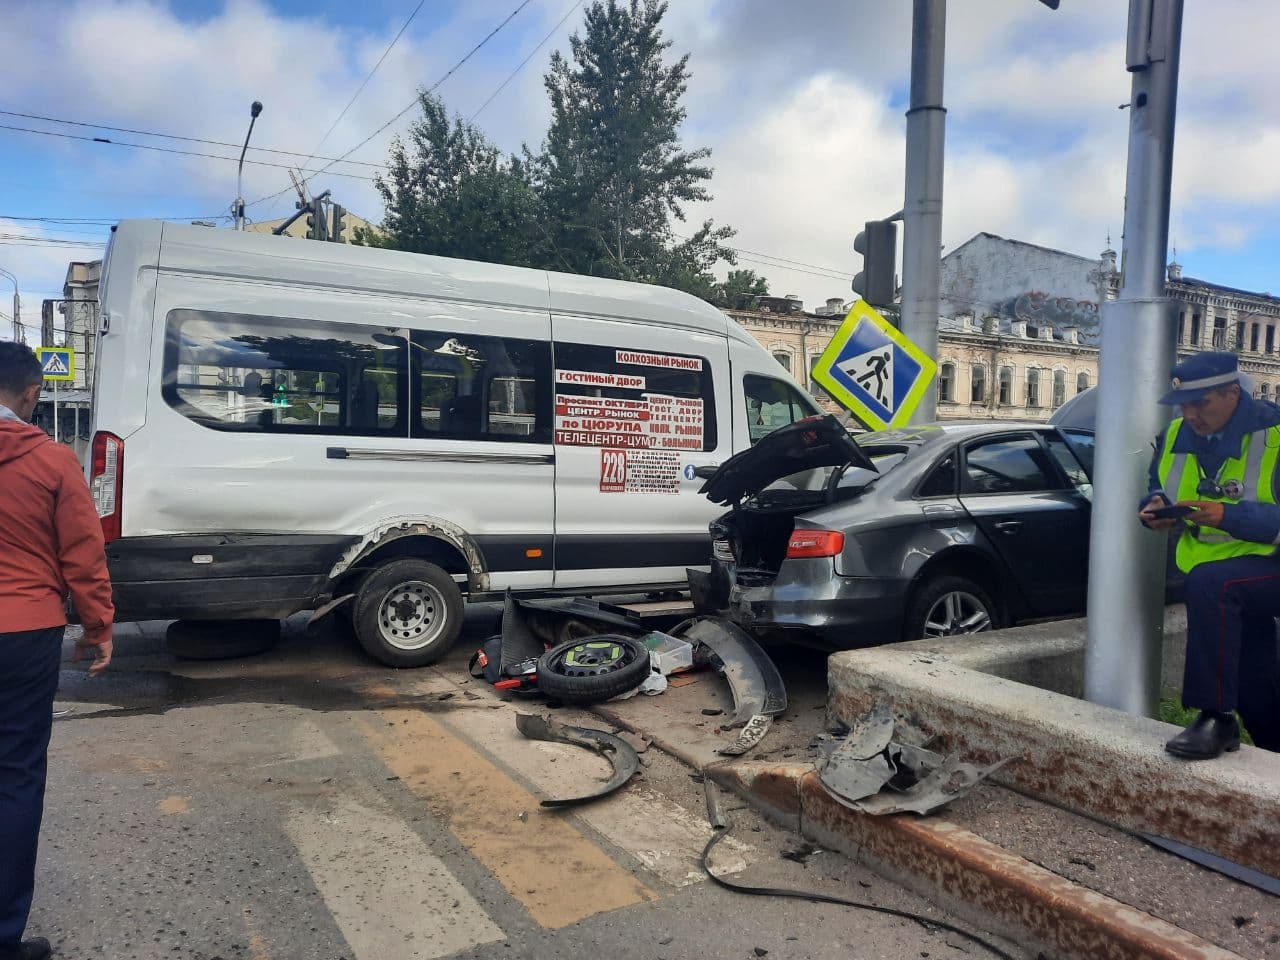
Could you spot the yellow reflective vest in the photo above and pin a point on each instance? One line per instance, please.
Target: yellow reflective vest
(1180, 475)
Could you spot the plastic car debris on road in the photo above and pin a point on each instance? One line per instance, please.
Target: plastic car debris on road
(871, 772)
(620, 754)
(583, 651)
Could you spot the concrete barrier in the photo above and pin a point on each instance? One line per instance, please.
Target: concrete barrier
(996, 695)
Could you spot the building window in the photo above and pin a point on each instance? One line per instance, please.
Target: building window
(1033, 387)
(1182, 326)
(1082, 381)
(1239, 344)
(1271, 338)
(813, 384)
(947, 383)
(1195, 330)
(1266, 391)
(1059, 387)
(1253, 337)
(1006, 386)
(1219, 333)
(978, 384)
(784, 360)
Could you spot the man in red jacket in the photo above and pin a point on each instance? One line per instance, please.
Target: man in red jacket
(50, 546)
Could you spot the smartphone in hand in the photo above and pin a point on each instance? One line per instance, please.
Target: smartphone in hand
(1173, 512)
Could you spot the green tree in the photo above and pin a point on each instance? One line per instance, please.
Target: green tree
(451, 193)
(739, 287)
(612, 173)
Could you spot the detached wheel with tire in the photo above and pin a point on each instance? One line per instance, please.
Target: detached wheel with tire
(593, 669)
(950, 606)
(407, 613)
(221, 639)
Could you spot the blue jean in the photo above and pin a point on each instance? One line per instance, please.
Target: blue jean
(1232, 661)
(28, 681)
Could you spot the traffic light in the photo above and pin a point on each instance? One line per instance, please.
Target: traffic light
(339, 215)
(316, 222)
(878, 244)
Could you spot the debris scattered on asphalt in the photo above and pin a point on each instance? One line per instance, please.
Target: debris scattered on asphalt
(751, 735)
(761, 952)
(446, 696)
(666, 941)
(871, 772)
(683, 679)
(1081, 862)
(617, 751)
(638, 743)
(1241, 921)
(800, 854)
(711, 711)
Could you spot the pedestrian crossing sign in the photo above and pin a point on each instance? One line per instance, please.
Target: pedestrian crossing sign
(871, 369)
(57, 363)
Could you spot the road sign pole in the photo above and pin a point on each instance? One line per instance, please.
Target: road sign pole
(55, 410)
(922, 209)
(1126, 563)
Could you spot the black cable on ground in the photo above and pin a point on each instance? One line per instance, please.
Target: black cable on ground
(926, 922)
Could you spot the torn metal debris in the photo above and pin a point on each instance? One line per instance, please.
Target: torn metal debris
(620, 754)
(869, 771)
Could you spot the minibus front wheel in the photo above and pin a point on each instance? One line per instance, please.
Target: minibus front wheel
(407, 613)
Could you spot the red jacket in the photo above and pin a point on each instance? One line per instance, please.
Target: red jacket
(50, 535)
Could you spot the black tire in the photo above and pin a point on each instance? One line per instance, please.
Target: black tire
(928, 614)
(407, 613)
(593, 669)
(221, 639)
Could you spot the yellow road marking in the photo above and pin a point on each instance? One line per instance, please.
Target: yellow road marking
(555, 872)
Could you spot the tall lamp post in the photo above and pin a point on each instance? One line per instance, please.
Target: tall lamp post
(18, 335)
(254, 110)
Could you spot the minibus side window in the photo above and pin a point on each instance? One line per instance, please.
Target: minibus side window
(772, 403)
(669, 398)
(269, 374)
(471, 387)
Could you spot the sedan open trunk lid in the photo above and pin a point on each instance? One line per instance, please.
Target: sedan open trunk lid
(807, 444)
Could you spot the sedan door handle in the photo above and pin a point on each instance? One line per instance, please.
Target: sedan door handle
(1009, 526)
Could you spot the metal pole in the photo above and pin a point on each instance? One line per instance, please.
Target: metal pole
(55, 411)
(254, 110)
(17, 319)
(922, 209)
(1126, 562)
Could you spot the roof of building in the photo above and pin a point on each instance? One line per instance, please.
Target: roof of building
(1019, 243)
(1220, 288)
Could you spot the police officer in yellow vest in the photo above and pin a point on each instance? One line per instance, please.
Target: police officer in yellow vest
(1220, 458)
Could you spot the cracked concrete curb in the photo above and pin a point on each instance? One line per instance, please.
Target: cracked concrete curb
(962, 872)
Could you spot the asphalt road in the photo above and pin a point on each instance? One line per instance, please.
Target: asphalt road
(311, 804)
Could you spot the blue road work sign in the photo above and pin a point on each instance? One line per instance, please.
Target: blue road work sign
(57, 363)
(873, 371)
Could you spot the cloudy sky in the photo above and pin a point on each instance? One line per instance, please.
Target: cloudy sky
(802, 103)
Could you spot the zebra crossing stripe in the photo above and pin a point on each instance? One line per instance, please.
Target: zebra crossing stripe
(389, 895)
(541, 859)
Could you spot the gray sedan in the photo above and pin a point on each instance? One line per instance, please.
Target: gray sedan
(925, 531)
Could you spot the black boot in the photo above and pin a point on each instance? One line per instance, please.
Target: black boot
(1207, 737)
(37, 949)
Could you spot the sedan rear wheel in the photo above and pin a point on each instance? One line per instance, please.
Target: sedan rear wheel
(948, 607)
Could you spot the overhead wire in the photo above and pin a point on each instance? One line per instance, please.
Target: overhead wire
(414, 102)
(173, 136)
(525, 62)
(364, 83)
(174, 150)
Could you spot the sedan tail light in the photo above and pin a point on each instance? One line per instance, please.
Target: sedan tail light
(106, 482)
(806, 544)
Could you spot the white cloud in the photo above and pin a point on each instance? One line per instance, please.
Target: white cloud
(803, 104)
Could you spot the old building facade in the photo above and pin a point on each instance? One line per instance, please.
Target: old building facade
(1020, 332)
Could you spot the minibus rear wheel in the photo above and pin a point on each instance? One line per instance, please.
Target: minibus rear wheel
(407, 613)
